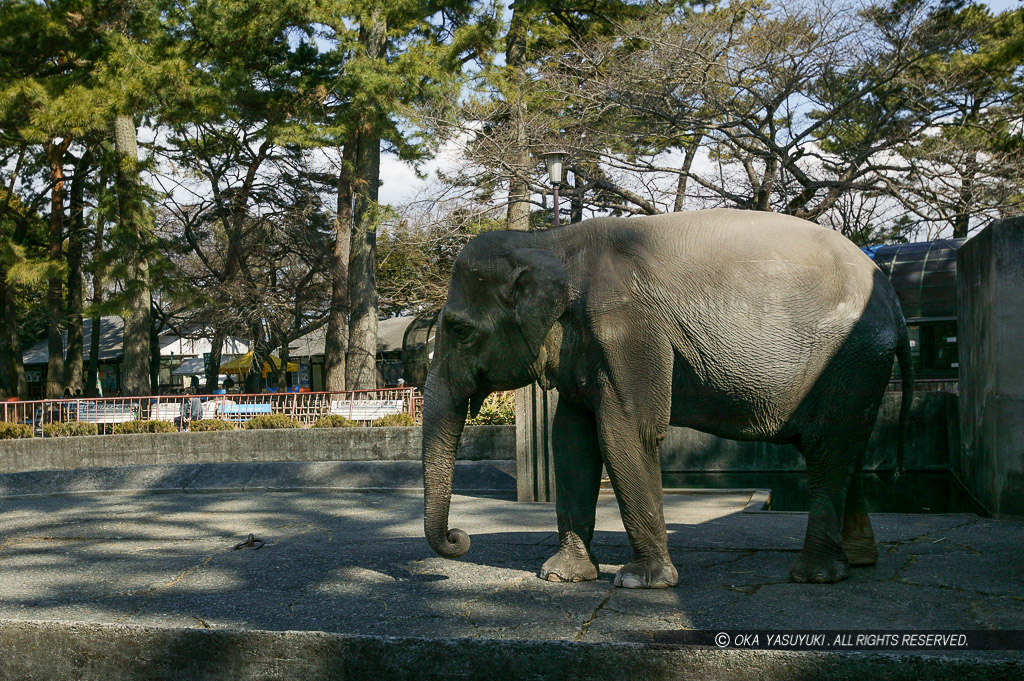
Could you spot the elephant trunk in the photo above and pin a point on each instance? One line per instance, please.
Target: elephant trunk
(444, 418)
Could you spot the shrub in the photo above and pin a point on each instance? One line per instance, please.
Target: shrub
(207, 425)
(130, 427)
(402, 419)
(497, 410)
(14, 431)
(69, 429)
(335, 421)
(271, 421)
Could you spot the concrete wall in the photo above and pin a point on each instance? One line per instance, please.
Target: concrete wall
(990, 282)
(479, 443)
(929, 443)
(691, 458)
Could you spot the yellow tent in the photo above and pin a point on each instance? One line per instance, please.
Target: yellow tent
(243, 363)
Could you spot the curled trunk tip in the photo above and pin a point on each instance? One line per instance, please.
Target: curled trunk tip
(455, 543)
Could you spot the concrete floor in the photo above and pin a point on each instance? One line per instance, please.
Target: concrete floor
(356, 563)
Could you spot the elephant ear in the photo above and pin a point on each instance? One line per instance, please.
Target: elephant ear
(540, 293)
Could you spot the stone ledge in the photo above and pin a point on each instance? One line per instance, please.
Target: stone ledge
(479, 443)
(490, 478)
(82, 652)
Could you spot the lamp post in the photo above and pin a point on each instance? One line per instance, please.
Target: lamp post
(553, 160)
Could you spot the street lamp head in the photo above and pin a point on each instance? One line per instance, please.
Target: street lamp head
(553, 160)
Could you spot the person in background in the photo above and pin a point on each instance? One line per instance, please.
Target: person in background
(190, 409)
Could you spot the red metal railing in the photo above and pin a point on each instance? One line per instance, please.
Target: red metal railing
(305, 407)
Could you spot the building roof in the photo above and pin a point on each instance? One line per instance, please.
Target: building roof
(923, 275)
(390, 335)
(111, 333)
(111, 343)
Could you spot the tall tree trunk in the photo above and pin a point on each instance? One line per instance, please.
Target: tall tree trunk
(361, 364)
(8, 380)
(518, 216)
(260, 355)
(689, 152)
(213, 367)
(281, 375)
(336, 338)
(965, 200)
(55, 288)
(134, 236)
(763, 198)
(76, 247)
(576, 202)
(10, 343)
(154, 352)
(12, 369)
(98, 266)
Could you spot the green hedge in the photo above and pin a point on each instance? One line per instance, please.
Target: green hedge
(271, 421)
(498, 409)
(335, 421)
(14, 431)
(130, 427)
(402, 419)
(206, 425)
(69, 429)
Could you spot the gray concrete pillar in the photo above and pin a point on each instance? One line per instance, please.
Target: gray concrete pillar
(990, 288)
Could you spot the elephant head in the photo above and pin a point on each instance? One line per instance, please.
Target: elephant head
(504, 297)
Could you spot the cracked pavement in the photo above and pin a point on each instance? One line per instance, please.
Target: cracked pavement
(357, 563)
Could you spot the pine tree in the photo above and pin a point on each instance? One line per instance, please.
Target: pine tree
(385, 59)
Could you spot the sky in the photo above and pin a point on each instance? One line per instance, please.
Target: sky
(400, 183)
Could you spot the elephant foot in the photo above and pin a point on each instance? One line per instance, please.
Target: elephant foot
(861, 552)
(647, 575)
(819, 570)
(859, 541)
(569, 566)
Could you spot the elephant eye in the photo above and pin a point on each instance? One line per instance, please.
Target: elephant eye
(461, 331)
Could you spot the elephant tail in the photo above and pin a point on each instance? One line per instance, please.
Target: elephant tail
(907, 381)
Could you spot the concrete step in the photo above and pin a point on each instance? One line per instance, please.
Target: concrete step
(492, 478)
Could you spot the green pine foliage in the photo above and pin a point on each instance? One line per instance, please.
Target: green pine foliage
(499, 409)
(393, 420)
(69, 429)
(335, 421)
(132, 427)
(271, 421)
(209, 425)
(14, 431)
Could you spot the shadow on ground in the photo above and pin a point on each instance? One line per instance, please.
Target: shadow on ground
(356, 563)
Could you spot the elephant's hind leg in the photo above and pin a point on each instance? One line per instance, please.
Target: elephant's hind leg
(858, 538)
(577, 483)
(829, 466)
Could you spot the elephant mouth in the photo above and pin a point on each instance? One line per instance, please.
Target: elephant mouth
(476, 402)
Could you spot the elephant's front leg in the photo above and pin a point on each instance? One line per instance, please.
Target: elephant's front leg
(630, 443)
(577, 482)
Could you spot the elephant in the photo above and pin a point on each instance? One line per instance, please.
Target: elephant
(744, 324)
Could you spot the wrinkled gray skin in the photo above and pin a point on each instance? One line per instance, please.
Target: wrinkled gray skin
(746, 325)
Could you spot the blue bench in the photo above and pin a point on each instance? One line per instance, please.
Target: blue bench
(243, 412)
(105, 413)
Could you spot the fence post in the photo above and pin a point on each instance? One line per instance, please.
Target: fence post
(535, 468)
